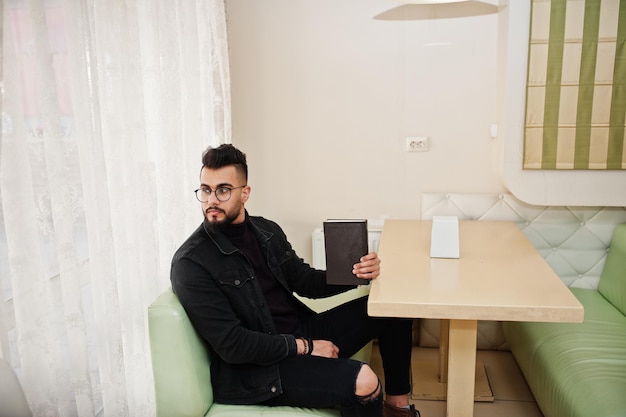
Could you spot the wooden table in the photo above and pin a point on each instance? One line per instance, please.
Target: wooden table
(498, 276)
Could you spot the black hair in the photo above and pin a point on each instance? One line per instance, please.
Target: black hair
(225, 155)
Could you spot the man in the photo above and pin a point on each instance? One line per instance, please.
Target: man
(236, 275)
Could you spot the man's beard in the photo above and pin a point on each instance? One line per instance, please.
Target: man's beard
(217, 226)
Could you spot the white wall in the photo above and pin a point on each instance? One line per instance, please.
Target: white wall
(325, 92)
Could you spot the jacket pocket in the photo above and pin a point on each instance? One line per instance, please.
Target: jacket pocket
(234, 279)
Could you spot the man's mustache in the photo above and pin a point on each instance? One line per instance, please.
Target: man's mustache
(214, 208)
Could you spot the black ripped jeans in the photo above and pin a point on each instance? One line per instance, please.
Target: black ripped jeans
(316, 382)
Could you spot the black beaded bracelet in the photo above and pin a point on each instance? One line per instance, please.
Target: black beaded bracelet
(309, 346)
(305, 345)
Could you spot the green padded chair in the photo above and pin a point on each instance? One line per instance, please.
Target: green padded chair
(181, 366)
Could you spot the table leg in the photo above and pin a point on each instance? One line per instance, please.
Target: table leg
(461, 368)
(444, 327)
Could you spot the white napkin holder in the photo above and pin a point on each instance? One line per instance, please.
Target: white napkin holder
(444, 240)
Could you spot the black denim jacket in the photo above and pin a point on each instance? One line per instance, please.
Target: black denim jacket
(217, 287)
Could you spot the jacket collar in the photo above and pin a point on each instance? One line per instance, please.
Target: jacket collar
(225, 245)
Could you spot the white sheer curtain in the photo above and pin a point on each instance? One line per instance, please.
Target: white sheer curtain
(106, 108)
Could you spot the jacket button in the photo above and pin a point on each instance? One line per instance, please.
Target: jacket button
(273, 389)
(237, 282)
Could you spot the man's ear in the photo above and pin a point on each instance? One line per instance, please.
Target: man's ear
(245, 193)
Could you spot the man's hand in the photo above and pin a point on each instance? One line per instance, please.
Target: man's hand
(368, 267)
(325, 348)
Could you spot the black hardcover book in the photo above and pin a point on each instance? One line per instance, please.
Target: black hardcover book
(346, 243)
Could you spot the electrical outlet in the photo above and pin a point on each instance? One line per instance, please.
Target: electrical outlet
(417, 144)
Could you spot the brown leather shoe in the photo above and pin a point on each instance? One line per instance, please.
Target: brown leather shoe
(391, 411)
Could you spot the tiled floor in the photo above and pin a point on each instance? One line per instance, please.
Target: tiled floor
(512, 396)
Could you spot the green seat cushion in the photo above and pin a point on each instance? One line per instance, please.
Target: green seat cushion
(224, 410)
(581, 374)
(575, 369)
(597, 309)
(533, 335)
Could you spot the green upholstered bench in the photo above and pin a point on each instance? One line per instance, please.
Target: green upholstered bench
(579, 370)
(181, 366)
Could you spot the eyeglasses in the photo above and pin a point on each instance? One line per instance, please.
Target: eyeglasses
(221, 193)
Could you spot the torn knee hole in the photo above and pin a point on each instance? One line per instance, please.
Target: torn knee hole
(371, 397)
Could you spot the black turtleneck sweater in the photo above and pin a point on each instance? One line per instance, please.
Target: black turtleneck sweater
(278, 299)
